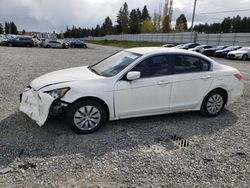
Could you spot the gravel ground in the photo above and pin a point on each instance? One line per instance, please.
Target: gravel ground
(128, 153)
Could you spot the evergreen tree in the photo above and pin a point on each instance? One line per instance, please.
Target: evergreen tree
(134, 22)
(226, 25)
(7, 28)
(107, 26)
(123, 19)
(97, 31)
(138, 12)
(1, 28)
(181, 23)
(145, 15)
(13, 28)
(23, 32)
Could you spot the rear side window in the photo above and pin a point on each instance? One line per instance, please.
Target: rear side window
(189, 64)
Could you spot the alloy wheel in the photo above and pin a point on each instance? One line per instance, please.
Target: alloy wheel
(214, 104)
(87, 117)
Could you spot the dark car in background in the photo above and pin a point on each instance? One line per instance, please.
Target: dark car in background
(78, 44)
(211, 51)
(188, 46)
(224, 52)
(20, 42)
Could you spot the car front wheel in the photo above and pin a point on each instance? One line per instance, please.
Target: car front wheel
(213, 103)
(86, 117)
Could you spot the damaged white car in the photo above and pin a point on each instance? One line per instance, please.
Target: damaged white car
(132, 83)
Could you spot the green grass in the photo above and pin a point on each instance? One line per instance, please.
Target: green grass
(125, 44)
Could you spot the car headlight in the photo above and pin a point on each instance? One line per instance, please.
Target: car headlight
(58, 93)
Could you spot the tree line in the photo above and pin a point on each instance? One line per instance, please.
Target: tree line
(9, 28)
(133, 22)
(235, 25)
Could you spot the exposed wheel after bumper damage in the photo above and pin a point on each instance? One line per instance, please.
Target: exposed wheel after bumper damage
(86, 117)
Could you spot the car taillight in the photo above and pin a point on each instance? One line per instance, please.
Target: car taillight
(238, 76)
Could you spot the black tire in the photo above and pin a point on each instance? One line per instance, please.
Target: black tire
(10, 45)
(219, 98)
(79, 109)
(244, 57)
(48, 46)
(27, 45)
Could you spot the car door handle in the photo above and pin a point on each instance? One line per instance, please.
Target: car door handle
(162, 82)
(206, 77)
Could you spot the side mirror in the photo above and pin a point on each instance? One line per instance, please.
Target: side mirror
(133, 75)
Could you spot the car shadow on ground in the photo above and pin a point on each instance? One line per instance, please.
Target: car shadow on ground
(21, 137)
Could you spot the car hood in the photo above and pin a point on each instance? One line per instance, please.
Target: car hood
(63, 76)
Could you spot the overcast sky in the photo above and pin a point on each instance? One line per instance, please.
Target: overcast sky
(54, 15)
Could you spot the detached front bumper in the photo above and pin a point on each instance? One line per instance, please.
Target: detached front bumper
(36, 105)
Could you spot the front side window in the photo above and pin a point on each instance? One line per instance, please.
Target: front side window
(114, 64)
(189, 64)
(154, 66)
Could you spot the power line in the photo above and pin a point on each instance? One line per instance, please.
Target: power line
(227, 11)
(208, 17)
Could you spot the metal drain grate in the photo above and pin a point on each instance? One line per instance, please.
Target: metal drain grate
(178, 140)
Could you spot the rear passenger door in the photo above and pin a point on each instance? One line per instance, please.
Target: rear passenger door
(192, 77)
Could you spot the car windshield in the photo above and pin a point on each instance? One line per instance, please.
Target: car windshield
(114, 64)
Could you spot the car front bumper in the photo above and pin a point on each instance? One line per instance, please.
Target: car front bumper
(36, 105)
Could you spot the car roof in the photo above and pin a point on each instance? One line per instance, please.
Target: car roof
(158, 50)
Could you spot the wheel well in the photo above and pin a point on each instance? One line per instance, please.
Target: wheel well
(223, 90)
(95, 99)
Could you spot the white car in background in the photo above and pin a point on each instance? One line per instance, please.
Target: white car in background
(242, 53)
(3, 39)
(132, 83)
(200, 48)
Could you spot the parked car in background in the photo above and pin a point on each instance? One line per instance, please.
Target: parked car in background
(211, 51)
(188, 46)
(20, 42)
(242, 53)
(200, 48)
(179, 46)
(224, 52)
(168, 45)
(55, 44)
(132, 83)
(78, 44)
(3, 40)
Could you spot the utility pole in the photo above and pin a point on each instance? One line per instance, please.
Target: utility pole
(195, 1)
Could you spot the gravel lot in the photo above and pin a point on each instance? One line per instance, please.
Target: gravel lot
(128, 153)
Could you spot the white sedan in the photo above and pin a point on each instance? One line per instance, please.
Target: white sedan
(242, 53)
(132, 83)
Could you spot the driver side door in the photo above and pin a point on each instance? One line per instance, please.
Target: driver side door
(148, 95)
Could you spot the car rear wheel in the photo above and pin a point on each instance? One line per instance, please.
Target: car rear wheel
(27, 45)
(10, 45)
(48, 46)
(244, 57)
(86, 117)
(213, 103)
